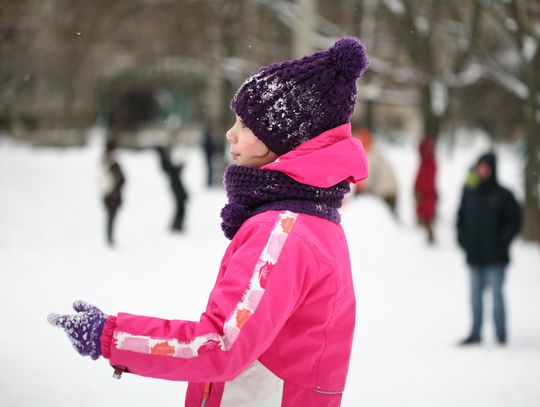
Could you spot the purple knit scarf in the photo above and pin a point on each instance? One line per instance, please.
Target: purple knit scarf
(252, 191)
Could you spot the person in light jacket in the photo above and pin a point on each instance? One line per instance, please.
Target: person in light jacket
(382, 180)
(278, 326)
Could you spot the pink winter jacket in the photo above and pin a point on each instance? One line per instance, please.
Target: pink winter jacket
(278, 327)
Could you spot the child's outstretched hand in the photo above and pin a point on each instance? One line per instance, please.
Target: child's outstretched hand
(83, 328)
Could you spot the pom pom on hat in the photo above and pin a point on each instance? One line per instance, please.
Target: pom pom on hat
(286, 104)
(349, 57)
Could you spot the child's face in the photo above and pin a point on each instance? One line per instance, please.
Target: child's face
(246, 149)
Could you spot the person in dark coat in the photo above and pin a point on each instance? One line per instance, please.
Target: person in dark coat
(174, 174)
(424, 187)
(112, 181)
(209, 148)
(488, 219)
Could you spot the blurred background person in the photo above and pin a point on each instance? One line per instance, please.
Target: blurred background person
(112, 181)
(174, 175)
(487, 222)
(425, 191)
(209, 148)
(382, 179)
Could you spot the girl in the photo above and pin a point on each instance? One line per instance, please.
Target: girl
(278, 327)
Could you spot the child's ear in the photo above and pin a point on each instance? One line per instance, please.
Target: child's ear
(264, 150)
(272, 155)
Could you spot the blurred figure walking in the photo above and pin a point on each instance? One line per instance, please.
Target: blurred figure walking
(381, 181)
(112, 181)
(487, 221)
(425, 191)
(209, 148)
(174, 174)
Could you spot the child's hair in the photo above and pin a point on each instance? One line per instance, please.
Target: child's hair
(288, 103)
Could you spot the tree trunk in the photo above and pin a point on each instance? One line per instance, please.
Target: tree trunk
(369, 116)
(214, 84)
(431, 121)
(304, 31)
(531, 207)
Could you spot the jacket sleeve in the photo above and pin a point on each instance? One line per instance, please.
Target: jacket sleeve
(118, 176)
(512, 219)
(259, 287)
(460, 223)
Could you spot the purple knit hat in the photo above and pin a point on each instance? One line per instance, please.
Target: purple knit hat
(287, 103)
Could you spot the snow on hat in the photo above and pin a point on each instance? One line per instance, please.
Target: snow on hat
(287, 103)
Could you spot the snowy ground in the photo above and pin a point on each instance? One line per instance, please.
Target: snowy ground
(412, 299)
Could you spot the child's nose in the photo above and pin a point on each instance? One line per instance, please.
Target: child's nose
(230, 136)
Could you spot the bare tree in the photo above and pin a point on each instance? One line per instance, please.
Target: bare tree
(17, 75)
(438, 39)
(519, 74)
(303, 31)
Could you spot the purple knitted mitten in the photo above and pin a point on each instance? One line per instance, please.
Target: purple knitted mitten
(83, 329)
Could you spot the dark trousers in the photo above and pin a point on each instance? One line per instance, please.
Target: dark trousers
(178, 221)
(111, 216)
(391, 202)
(209, 171)
(491, 276)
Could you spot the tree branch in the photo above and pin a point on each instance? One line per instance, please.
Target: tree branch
(474, 31)
(515, 12)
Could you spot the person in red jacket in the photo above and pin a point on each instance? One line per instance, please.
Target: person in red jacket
(424, 187)
(278, 327)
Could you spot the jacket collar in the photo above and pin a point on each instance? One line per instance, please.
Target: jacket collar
(331, 157)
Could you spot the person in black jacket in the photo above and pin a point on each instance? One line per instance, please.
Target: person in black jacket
(174, 174)
(209, 147)
(487, 221)
(112, 181)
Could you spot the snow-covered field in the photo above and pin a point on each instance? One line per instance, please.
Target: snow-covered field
(412, 299)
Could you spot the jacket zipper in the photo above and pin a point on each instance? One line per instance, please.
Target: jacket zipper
(118, 370)
(206, 393)
(317, 390)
